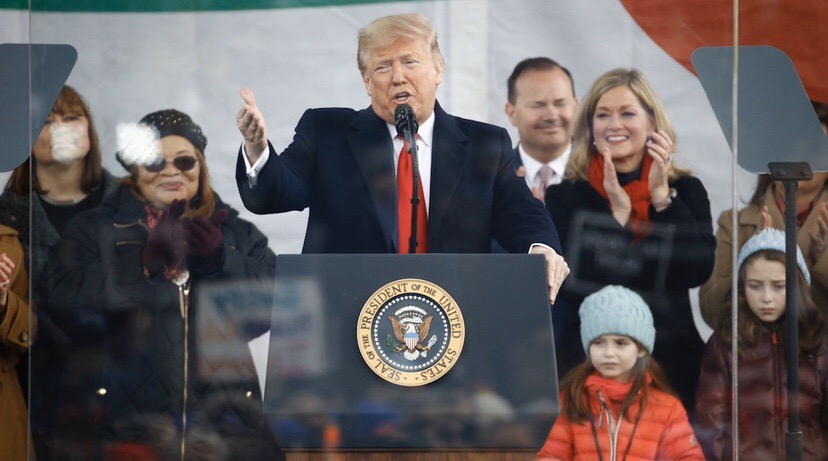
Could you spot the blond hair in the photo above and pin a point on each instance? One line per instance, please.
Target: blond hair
(583, 147)
(385, 30)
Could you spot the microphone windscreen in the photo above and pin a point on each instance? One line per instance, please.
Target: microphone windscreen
(401, 117)
(405, 121)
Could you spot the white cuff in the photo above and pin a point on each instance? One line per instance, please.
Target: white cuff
(542, 245)
(253, 170)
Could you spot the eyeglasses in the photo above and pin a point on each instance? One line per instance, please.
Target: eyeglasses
(183, 163)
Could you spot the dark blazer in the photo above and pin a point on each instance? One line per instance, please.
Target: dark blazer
(517, 162)
(340, 165)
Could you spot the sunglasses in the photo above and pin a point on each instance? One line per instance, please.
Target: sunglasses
(184, 163)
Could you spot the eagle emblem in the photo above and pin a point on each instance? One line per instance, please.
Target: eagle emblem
(410, 336)
(410, 332)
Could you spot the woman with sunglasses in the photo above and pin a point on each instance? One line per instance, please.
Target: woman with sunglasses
(143, 285)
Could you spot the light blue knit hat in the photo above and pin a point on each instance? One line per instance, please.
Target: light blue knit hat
(771, 239)
(615, 310)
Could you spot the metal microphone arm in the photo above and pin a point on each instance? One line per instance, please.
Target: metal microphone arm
(415, 172)
(407, 126)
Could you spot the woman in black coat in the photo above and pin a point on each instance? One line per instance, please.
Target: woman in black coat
(62, 177)
(160, 288)
(627, 215)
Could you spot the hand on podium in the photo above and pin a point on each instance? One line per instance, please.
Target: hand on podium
(556, 269)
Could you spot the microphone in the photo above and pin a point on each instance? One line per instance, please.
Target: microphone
(407, 128)
(406, 123)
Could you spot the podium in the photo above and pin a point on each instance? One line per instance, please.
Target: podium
(411, 357)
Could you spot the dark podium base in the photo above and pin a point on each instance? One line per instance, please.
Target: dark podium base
(499, 399)
(438, 455)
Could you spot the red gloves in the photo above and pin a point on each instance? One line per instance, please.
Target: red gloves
(204, 240)
(166, 246)
(173, 238)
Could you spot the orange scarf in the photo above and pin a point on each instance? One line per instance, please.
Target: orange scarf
(612, 391)
(638, 191)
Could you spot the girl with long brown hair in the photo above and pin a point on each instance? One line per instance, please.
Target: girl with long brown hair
(617, 405)
(762, 361)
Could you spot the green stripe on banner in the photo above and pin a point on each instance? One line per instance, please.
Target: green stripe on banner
(160, 6)
(14, 4)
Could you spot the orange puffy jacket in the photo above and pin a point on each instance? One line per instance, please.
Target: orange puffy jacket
(661, 432)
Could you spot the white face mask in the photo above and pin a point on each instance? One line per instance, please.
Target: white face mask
(69, 142)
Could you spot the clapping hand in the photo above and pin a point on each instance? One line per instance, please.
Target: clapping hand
(252, 126)
(660, 148)
(204, 240)
(166, 246)
(6, 269)
(619, 200)
(819, 233)
(765, 220)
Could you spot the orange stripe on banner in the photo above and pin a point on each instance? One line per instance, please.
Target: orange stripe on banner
(799, 28)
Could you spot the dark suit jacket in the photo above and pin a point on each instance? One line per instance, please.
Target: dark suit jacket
(341, 165)
(517, 162)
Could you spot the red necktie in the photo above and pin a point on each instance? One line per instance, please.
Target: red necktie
(405, 187)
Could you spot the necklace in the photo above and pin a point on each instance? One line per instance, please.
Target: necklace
(54, 202)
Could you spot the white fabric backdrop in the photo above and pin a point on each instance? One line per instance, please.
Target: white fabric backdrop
(293, 59)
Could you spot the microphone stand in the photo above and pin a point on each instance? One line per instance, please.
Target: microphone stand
(789, 173)
(415, 195)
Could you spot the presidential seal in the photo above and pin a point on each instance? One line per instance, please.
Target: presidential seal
(410, 332)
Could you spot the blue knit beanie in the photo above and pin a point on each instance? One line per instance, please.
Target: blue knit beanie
(615, 310)
(771, 239)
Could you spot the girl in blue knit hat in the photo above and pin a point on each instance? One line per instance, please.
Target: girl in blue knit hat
(762, 365)
(617, 404)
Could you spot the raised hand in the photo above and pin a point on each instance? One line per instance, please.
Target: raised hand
(619, 200)
(660, 148)
(204, 240)
(252, 126)
(166, 246)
